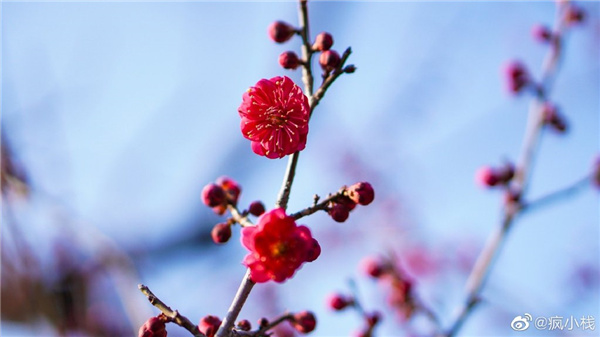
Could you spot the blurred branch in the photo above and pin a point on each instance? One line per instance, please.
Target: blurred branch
(481, 270)
(557, 195)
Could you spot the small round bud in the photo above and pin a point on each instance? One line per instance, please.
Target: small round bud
(289, 60)
(373, 267)
(517, 77)
(153, 327)
(574, 15)
(329, 60)
(338, 212)
(304, 321)
(346, 201)
(553, 118)
(339, 302)
(349, 69)
(244, 325)
(323, 42)
(542, 33)
(221, 233)
(280, 31)
(231, 187)
(256, 208)
(361, 193)
(314, 251)
(512, 197)
(209, 325)
(263, 322)
(487, 177)
(213, 195)
(373, 318)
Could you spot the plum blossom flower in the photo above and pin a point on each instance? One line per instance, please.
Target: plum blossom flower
(278, 247)
(275, 117)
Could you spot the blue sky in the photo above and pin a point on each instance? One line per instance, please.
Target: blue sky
(124, 111)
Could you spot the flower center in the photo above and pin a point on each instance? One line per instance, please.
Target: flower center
(279, 249)
(276, 117)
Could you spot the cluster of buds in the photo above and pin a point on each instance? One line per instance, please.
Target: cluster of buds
(303, 322)
(361, 193)
(219, 196)
(400, 285)
(553, 119)
(488, 176)
(340, 302)
(329, 59)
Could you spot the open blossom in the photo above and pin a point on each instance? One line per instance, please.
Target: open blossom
(278, 247)
(275, 117)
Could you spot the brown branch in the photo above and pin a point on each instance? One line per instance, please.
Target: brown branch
(318, 206)
(173, 315)
(239, 217)
(318, 95)
(236, 306)
(535, 125)
(306, 49)
(558, 195)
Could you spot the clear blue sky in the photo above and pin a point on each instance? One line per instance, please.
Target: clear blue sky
(124, 111)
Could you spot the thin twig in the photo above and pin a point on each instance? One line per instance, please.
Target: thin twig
(236, 306)
(271, 325)
(238, 217)
(558, 195)
(174, 315)
(481, 269)
(317, 207)
(318, 95)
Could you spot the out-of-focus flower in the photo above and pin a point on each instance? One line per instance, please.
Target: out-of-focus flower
(278, 247)
(275, 117)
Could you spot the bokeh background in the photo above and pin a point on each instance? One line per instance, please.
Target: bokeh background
(115, 115)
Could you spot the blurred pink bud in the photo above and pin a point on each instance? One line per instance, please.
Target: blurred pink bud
(256, 208)
(231, 187)
(213, 195)
(304, 321)
(280, 31)
(329, 60)
(373, 267)
(221, 233)
(361, 193)
(574, 15)
(516, 76)
(323, 42)
(542, 33)
(209, 325)
(153, 327)
(244, 325)
(487, 176)
(289, 60)
(339, 302)
(338, 212)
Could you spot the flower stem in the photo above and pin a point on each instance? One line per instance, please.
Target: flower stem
(236, 306)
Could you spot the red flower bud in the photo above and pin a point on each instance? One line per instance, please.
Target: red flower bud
(263, 322)
(289, 60)
(304, 321)
(574, 15)
(256, 208)
(373, 267)
(213, 195)
(506, 173)
(487, 176)
(314, 252)
(221, 232)
(349, 69)
(244, 325)
(323, 42)
(542, 33)
(153, 327)
(553, 118)
(329, 60)
(231, 187)
(339, 302)
(280, 31)
(346, 201)
(361, 193)
(338, 212)
(209, 325)
(517, 77)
